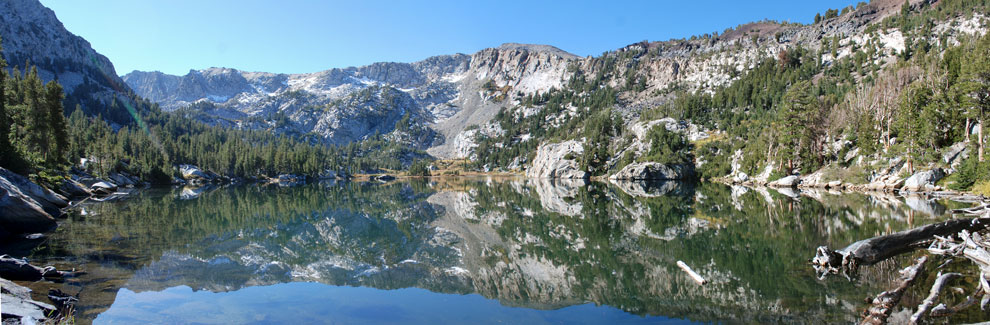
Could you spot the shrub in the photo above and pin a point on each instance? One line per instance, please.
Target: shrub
(970, 171)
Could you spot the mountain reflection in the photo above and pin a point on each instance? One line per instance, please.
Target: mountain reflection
(538, 244)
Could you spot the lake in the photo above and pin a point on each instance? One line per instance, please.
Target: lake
(470, 250)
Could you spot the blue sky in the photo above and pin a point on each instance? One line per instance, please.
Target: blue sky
(294, 36)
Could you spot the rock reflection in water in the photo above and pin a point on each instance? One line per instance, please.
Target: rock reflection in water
(531, 243)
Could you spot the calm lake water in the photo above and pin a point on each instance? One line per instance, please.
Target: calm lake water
(470, 250)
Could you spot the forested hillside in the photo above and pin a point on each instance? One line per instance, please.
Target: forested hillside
(848, 106)
(36, 137)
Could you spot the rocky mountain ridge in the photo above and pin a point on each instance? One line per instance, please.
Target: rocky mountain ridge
(454, 92)
(443, 92)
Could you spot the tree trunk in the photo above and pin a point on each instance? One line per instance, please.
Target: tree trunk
(872, 250)
(910, 162)
(979, 141)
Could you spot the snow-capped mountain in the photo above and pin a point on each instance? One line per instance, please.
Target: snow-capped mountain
(446, 93)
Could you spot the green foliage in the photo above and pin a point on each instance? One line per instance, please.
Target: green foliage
(667, 147)
(915, 103)
(970, 171)
(419, 168)
(598, 132)
(798, 116)
(33, 124)
(716, 156)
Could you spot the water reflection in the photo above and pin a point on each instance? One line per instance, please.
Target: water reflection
(538, 244)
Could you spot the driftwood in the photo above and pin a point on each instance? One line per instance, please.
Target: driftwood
(933, 295)
(873, 250)
(971, 245)
(884, 303)
(974, 247)
(941, 310)
(694, 276)
(980, 210)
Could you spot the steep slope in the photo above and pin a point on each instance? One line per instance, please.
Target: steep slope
(32, 33)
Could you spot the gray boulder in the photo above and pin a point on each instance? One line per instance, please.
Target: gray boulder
(18, 305)
(103, 188)
(73, 189)
(193, 173)
(122, 180)
(833, 184)
(23, 210)
(923, 181)
(49, 201)
(654, 171)
(557, 160)
(787, 181)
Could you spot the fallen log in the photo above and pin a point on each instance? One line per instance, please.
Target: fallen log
(881, 306)
(933, 295)
(873, 250)
(694, 276)
(973, 211)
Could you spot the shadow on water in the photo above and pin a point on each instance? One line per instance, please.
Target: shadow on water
(537, 244)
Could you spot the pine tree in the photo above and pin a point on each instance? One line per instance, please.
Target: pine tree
(56, 123)
(36, 124)
(795, 115)
(913, 102)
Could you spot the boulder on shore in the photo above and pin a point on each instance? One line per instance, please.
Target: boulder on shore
(558, 160)
(103, 188)
(740, 177)
(787, 181)
(654, 171)
(27, 207)
(49, 201)
(73, 189)
(18, 307)
(923, 181)
(194, 174)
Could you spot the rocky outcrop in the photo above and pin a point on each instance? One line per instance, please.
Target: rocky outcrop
(27, 207)
(72, 189)
(32, 32)
(791, 181)
(558, 160)
(649, 171)
(103, 188)
(884, 183)
(923, 181)
(194, 175)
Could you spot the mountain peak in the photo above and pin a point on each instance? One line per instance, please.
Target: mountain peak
(537, 48)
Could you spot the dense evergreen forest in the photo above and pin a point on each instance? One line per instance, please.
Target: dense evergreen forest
(40, 137)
